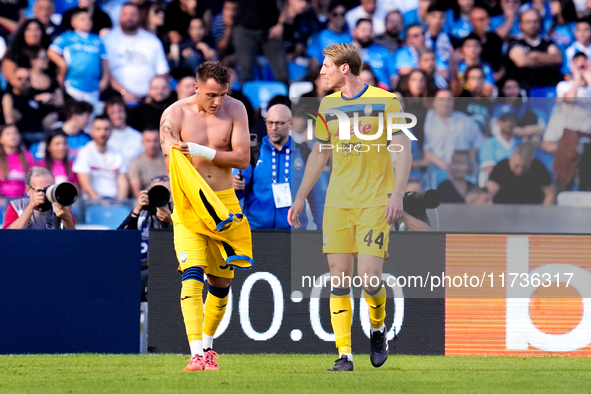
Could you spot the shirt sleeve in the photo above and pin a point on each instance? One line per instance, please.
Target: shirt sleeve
(81, 163)
(403, 59)
(476, 134)
(134, 170)
(486, 154)
(102, 50)
(58, 45)
(394, 107)
(10, 216)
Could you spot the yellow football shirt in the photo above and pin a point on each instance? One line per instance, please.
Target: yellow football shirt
(362, 174)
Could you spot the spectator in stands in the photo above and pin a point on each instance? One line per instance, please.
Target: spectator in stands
(101, 22)
(447, 131)
(571, 142)
(428, 64)
(457, 23)
(391, 39)
(56, 158)
(81, 59)
(521, 179)
(259, 26)
(491, 43)
(126, 140)
(44, 87)
(135, 56)
(178, 16)
(528, 122)
(533, 59)
(582, 44)
(34, 211)
(545, 9)
(368, 76)
(335, 32)
(194, 50)
(435, 37)
(407, 58)
(376, 56)
(456, 188)
(43, 10)
(415, 89)
(14, 162)
(473, 100)
(478, 196)
(257, 185)
(471, 50)
(561, 29)
(30, 34)
(11, 13)
(368, 9)
(300, 24)
(148, 165)
(416, 16)
(77, 119)
(507, 24)
(21, 109)
(155, 20)
(499, 147)
(101, 170)
(222, 27)
(146, 116)
(185, 87)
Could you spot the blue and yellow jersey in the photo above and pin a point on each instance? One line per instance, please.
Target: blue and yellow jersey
(362, 174)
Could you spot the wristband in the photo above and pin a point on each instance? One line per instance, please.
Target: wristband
(196, 150)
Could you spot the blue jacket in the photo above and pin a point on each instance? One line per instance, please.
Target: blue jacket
(259, 204)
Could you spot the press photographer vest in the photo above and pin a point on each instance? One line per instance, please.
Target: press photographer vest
(39, 220)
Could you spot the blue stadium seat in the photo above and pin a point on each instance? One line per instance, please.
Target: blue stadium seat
(260, 92)
(110, 216)
(297, 72)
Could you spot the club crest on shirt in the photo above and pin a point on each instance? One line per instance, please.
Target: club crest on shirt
(183, 257)
(368, 110)
(298, 163)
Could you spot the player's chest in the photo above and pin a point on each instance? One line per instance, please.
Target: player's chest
(215, 134)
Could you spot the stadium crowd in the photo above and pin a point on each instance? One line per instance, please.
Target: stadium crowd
(84, 84)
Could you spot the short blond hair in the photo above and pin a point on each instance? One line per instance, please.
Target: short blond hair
(345, 53)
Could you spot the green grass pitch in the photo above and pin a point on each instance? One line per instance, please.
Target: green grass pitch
(92, 373)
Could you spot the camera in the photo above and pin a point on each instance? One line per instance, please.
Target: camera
(65, 194)
(416, 204)
(158, 196)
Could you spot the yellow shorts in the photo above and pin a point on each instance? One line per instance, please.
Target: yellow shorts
(195, 249)
(358, 231)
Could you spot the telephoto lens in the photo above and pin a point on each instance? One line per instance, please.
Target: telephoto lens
(159, 196)
(65, 194)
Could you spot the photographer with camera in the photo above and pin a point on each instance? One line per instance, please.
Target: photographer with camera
(48, 206)
(153, 210)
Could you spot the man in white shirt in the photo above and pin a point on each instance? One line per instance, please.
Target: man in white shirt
(125, 139)
(135, 56)
(367, 10)
(101, 170)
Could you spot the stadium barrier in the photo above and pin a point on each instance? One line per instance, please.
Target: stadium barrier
(69, 291)
(267, 315)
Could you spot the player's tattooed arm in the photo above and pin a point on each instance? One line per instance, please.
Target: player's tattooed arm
(169, 134)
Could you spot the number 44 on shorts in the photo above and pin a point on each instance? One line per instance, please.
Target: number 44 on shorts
(378, 241)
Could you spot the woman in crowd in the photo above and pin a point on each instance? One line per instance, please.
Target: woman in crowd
(44, 87)
(14, 163)
(415, 90)
(564, 17)
(457, 23)
(367, 76)
(30, 35)
(56, 158)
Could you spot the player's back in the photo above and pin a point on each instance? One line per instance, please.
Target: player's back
(362, 174)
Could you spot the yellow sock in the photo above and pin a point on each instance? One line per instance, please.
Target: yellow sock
(340, 317)
(376, 300)
(215, 307)
(192, 308)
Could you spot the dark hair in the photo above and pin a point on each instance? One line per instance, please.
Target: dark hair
(3, 159)
(361, 20)
(334, 4)
(367, 67)
(17, 44)
(279, 99)
(115, 100)
(77, 108)
(220, 73)
(413, 25)
(435, 7)
(77, 10)
(472, 68)
(579, 54)
(568, 13)
(403, 85)
(48, 159)
(102, 117)
(471, 37)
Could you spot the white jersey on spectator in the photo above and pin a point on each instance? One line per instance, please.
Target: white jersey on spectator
(128, 142)
(135, 60)
(576, 116)
(378, 20)
(103, 168)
